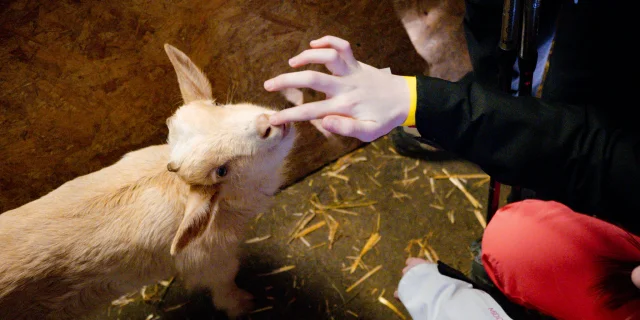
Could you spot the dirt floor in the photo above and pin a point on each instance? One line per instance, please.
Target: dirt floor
(370, 192)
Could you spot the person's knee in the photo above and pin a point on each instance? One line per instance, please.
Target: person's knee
(516, 228)
(518, 241)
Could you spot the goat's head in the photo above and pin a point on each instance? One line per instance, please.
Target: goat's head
(214, 146)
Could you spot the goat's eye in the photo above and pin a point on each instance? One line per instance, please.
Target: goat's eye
(221, 171)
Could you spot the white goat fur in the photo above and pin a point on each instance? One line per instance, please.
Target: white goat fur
(112, 231)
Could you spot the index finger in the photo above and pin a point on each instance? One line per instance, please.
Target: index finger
(318, 81)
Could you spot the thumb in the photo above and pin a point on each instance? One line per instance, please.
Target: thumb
(363, 130)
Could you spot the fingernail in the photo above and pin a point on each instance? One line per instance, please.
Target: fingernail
(268, 84)
(292, 62)
(273, 120)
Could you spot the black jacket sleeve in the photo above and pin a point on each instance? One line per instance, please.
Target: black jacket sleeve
(565, 153)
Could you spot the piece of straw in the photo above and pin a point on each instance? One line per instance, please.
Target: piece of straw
(302, 223)
(480, 218)
(450, 192)
(344, 211)
(258, 239)
(462, 176)
(318, 245)
(306, 243)
(433, 253)
(123, 300)
(372, 241)
(276, 271)
(392, 307)
(459, 185)
(481, 182)
(261, 309)
(408, 181)
(333, 229)
(352, 313)
(176, 307)
(374, 180)
(309, 229)
(367, 275)
(399, 195)
(336, 175)
(321, 206)
(335, 193)
(451, 217)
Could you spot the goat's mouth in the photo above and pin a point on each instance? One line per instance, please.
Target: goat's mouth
(286, 128)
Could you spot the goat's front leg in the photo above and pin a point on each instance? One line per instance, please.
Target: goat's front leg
(226, 294)
(218, 272)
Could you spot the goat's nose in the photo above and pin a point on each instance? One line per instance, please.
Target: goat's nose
(265, 129)
(263, 126)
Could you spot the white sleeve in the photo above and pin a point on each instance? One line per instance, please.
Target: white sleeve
(428, 295)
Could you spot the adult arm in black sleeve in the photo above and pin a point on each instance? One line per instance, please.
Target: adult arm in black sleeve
(565, 153)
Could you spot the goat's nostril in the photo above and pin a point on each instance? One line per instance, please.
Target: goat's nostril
(266, 133)
(263, 126)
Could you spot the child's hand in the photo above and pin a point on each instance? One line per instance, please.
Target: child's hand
(361, 101)
(411, 262)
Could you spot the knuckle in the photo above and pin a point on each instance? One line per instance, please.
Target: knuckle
(333, 55)
(349, 129)
(348, 102)
(344, 45)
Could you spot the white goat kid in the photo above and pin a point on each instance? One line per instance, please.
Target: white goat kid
(178, 208)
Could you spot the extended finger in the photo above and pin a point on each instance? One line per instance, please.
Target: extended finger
(304, 79)
(304, 112)
(342, 46)
(327, 56)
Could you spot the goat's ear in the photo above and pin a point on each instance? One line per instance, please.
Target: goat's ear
(194, 84)
(201, 208)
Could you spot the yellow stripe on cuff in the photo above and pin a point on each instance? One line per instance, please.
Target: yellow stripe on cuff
(413, 93)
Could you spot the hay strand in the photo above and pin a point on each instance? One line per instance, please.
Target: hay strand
(371, 242)
(363, 278)
(279, 270)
